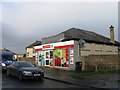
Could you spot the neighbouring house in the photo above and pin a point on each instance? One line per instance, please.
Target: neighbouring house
(18, 56)
(30, 52)
(78, 48)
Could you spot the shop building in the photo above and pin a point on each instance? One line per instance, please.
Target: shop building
(65, 49)
(59, 55)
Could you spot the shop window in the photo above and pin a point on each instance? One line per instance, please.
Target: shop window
(51, 54)
(60, 57)
(57, 57)
(41, 58)
(51, 62)
(47, 54)
(63, 62)
(63, 58)
(47, 62)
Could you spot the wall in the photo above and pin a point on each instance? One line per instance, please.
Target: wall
(101, 62)
(98, 49)
(95, 53)
(30, 59)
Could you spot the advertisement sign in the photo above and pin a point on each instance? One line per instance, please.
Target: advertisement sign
(71, 56)
(71, 60)
(45, 47)
(71, 53)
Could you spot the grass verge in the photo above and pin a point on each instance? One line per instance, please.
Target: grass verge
(86, 74)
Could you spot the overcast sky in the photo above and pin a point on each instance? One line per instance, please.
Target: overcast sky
(25, 22)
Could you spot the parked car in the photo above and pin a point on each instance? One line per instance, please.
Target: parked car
(6, 58)
(25, 70)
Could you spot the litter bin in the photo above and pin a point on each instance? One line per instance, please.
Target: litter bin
(78, 66)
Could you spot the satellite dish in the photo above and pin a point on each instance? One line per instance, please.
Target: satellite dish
(81, 43)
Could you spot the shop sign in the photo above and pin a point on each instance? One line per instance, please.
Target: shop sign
(67, 44)
(48, 47)
(71, 52)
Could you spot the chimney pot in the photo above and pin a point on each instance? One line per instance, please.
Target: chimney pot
(111, 26)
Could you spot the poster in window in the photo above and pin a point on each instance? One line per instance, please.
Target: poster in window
(51, 54)
(57, 57)
(47, 54)
(63, 58)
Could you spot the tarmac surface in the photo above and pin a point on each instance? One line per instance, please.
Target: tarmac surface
(65, 76)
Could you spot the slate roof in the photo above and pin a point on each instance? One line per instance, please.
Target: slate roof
(36, 43)
(88, 36)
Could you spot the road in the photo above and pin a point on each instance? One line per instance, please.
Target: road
(13, 82)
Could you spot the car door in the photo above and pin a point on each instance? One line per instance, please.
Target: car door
(10, 68)
(15, 69)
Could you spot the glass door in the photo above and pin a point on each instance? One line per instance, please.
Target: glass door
(41, 58)
(47, 57)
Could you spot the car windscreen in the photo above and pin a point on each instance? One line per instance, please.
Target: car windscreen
(6, 57)
(25, 64)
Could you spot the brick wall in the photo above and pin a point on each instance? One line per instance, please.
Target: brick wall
(101, 62)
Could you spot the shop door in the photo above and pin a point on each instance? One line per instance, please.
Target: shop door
(49, 57)
(41, 58)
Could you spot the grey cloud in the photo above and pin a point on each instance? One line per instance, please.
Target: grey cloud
(26, 22)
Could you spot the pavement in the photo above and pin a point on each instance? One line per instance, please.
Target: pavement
(106, 82)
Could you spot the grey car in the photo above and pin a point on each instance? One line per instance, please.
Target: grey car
(24, 70)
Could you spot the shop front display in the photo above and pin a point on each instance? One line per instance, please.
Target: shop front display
(55, 54)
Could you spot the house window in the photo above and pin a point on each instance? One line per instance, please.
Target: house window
(33, 50)
(27, 53)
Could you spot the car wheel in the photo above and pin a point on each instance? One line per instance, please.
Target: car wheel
(8, 73)
(20, 76)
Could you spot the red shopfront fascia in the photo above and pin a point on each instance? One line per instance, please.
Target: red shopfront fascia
(46, 47)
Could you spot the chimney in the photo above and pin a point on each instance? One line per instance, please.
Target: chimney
(112, 34)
